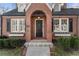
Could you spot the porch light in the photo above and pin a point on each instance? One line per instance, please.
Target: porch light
(38, 17)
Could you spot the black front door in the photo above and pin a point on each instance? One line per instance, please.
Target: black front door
(39, 28)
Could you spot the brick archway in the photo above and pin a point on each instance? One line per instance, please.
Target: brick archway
(44, 8)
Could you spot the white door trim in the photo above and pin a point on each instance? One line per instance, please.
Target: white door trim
(42, 26)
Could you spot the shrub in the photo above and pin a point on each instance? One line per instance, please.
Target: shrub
(64, 43)
(6, 43)
(20, 42)
(68, 43)
(1, 43)
(11, 43)
(76, 45)
(3, 37)
(17, 43)
(74, 42)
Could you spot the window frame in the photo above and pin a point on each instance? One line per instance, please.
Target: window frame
(60, 20)
(53, 24)
(58, 7)
(18, 25)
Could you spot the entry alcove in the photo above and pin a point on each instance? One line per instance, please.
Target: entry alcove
(38, 24)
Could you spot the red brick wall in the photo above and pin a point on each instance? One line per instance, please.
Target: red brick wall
(44, 8)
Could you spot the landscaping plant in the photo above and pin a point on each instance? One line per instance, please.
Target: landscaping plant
(68, 43)
(11, 43)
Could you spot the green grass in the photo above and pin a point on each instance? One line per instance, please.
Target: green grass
(57, 51)
(10, 52)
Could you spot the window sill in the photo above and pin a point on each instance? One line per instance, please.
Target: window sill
(16, 34)
(62, 34)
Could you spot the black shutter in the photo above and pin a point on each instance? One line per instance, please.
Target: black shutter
(70, 25)
(8, 24)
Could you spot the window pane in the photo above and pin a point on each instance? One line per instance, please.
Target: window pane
(60, 25)
(22, 25)
(64, 25)
(56, 7)
(18, 25)
(14, 25)
(56, 27)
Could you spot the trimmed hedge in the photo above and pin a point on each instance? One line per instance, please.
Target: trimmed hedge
(3, 37)
(74, 42)
(64, 43)
(11, 43)
(68, 43)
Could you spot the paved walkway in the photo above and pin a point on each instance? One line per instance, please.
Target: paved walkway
(38, 51)
(38, 48)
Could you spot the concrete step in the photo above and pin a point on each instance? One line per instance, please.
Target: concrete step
(39, 43)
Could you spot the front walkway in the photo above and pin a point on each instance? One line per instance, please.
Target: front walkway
(38, 48)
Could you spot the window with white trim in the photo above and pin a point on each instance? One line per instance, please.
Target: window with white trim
(57, 7)
(61, 25)
(17, 25)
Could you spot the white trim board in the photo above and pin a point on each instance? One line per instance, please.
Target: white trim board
(62, 34)
(26, 8)
(16, 34)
